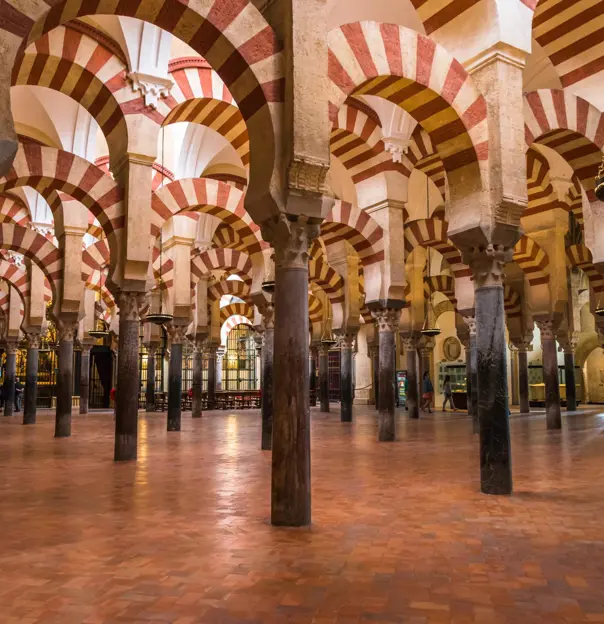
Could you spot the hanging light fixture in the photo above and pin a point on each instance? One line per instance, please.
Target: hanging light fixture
(599, 190)
(161, 317)
(430, 327)
(100, 331)
(599, 311)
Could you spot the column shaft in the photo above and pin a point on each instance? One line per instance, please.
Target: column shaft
(64, 387)
(571, 384)
(84, 379)
(31, 384)
(196, 407)
(412, 382)
(493, 415)
(266, 442)
(150, 389)
(211, 352)
(553, 414)
(387, 322)
(523, 382)
(474, 383)
(346, 391)
(324, 378)
(175, 387)
(376, 376)
(10, 374)
(313, 378)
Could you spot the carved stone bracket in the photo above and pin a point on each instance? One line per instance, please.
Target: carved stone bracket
(547, 329)
(291, 238)
(306, 175)
(130, 305)
(487, 264)
(387, 319)
(151, 87)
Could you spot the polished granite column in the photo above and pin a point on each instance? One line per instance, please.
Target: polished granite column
(177, 338)
(211, 356)
(346, 389)
(569, 344)
(266, 441)
(290, 476)
(523, 377)
(324, 377)
(553, 413)
(84, 377)
(493, 413)
(150, 388)
(472, 373)
(127, 389)
(30, 398)
(196, 403)
(410, 346)
(387, 323)
(314, 352)
(10, 374)
(66, 331)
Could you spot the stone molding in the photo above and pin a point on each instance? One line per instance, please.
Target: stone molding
(387, 319)
(307, 175)
(152, 88)
(130, 305)
(291, 238)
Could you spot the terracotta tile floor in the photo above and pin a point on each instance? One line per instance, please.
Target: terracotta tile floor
(400, 532)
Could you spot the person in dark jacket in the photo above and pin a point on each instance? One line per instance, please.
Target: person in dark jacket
(18, 394)
(427, 393)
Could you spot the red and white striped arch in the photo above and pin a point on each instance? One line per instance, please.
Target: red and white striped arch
(511, 302)
(369, 58)
(326, 278)
(229, 324)
(236, 309)
(424, 157)
(569, 125)
(580, 256)
(13, 210)
(221, 260)
(533, 260)
(541, 194)
(444, 284)
(232, 287)
(19, 279)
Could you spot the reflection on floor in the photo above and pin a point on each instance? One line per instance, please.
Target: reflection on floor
(400, 532)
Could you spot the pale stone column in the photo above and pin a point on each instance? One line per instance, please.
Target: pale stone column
(268, 390)
(66, 331)
(410, 346)
(177, 338)
(387, 323)
(196, 407)
(9, 377)
(487, 266)
(346, 388)
(472, 373)
(553, 414)
(31, 378)
(126, 409)
(85, 377)
(150, 389)
(324, 378)
(290, 493)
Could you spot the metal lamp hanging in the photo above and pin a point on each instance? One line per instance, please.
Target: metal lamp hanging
(430, 327)
(100, 331)
(161, 317)
(599, 190)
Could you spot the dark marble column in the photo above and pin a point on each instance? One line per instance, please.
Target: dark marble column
(150, 389)
(10, 374)
(571, 383)
(85, 378)
(493, 413)
(126, 409)
(553, 414)
(211, 355)
(375, 365)
(196, 408)
(66, 331)
(426, 349)
(313, 375)
(410, 345)
(472, 374)
(268, 391)
(523, 380)
(387, 322)
(324, 377)
(30, 398)
(346, 389)
(177, 338)
(290, 491)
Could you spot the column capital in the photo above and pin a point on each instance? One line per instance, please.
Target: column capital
(151, 349)
(291, 236)
(547, 328)
(210, 350)
(130, 305)
(487, 264)
(470, 321)
(568, 343)
(268, 316)
(410, 342)
(387, 319)
(33, 340)
(177, 333)
(12, 346)
(323, 349)
(67, 330)
(346, 340)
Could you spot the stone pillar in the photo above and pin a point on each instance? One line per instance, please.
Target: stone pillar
(569, 344)
(66, 331)
(553, 414)
(493, 414)
(268, 391)
(346, 388)
(387, 322)
(514, 372)
(127, 389)
(84, 377)
(313, 375)
(410, 345)
(220, 353)
(523, 379)
(290, 492)
(30, 398)
(177, 337)
(374, 352)
(150, 389)
(9, 377)
(211, 355)
(425, 351)
(472, 373)
(324, 377)
(196, 407)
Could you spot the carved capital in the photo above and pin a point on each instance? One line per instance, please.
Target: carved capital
(487, 264)
(547, 329)
(268, 316)
(177, 333)
(346, 341)
(33, 340)
(130, 305)
(67, 330)
(569, 343)
(308, 176)
(85, 348)
(291, 238)
(12, 346)
(470, 321)
(387, 319)
(151, 350)
(151, 87)
(409, 343)
(323, 349)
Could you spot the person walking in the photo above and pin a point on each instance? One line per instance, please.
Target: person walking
(427, 393)
(18, 394)
(448, 394)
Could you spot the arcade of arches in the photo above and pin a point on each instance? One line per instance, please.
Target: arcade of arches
(265, 204)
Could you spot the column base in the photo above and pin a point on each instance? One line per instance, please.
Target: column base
(125, 448)
(386, 427)
(63, 426)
